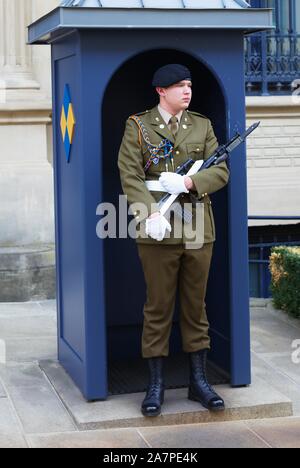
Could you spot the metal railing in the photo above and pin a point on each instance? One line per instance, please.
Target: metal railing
(259, 255)
(273, 58)
(272, 63)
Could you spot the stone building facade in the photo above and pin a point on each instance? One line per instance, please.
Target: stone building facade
(26, 176)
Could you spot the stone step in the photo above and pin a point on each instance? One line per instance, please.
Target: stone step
(258, 401)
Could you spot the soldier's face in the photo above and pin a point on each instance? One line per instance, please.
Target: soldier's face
(178, 96)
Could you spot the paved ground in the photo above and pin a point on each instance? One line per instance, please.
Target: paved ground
(33, 415)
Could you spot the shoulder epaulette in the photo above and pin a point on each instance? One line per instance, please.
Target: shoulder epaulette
(198, 115)
(142, 113)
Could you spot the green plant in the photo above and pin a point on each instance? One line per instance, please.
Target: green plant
(285, 285)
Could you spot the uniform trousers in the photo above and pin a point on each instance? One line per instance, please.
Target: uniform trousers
(166, 268)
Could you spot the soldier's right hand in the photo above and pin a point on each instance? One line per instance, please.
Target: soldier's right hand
(157, 226)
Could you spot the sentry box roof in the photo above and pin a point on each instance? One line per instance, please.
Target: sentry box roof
(149, 14)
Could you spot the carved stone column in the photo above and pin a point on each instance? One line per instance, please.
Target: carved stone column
(15, 54)
(26, 177)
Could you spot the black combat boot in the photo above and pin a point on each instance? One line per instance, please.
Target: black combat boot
(199, 389)
(154, 398)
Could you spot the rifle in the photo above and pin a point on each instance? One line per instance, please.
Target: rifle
(191, 167)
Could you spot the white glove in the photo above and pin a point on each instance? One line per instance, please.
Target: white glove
(173, 183)
(157, 227)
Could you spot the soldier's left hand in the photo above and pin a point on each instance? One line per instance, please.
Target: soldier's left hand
(173, 183)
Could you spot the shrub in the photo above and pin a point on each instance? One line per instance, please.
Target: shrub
(285, 284)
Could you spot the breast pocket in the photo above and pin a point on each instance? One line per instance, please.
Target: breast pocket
(195, 150)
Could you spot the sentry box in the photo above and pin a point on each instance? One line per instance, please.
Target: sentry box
(104, 54)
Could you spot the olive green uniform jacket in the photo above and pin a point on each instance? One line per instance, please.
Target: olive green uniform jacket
(196, 140)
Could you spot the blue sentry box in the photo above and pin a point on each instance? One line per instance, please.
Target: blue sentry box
(106, 68)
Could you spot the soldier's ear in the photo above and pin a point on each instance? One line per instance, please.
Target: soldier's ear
(161, 91)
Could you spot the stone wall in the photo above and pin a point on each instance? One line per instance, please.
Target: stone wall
(274, 157)
(26, 175)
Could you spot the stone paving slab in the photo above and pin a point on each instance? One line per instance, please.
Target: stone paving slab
(114, 438)
(10, 429)
(282, 316)
(48, 306)
(282, 362)
(273, 333)
(2, 391)
(32, 413)
(270, 334)
(279, 380)
(22, 375)
(28, 327)
(275, 433)
(12, 441)
(37, 405)
(279, 433)
(212, 435)
(30, 349)
(256, 401)
(21, 309)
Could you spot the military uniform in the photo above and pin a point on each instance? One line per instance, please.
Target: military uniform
(196, 140)
(168, 263)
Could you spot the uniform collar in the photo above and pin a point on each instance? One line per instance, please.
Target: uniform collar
(167, 116)
(160, 127)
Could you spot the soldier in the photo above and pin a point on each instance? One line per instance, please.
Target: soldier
(155, 143)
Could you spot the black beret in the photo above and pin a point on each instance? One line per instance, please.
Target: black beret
(171, 74)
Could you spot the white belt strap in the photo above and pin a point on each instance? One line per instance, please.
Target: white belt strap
(154, 186)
